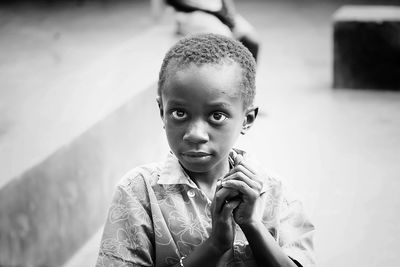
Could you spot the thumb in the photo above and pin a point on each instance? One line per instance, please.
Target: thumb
(239, 158)
(229, 206)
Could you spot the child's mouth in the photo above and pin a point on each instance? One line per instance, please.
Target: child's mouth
(196, 155)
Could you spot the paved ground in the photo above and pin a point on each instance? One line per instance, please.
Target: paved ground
(339, 149)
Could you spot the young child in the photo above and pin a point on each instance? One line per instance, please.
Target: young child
(207, 204)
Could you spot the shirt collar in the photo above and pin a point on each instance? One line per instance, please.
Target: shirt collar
(173, 173)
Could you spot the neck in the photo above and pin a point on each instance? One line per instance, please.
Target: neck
(207, 181)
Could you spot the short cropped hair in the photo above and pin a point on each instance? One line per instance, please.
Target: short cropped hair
(212, 49)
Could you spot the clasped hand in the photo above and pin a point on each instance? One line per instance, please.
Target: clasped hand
(244, 181)
(238, 198)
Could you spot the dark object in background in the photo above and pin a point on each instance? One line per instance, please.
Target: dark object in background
(366, 42)
(227, 15)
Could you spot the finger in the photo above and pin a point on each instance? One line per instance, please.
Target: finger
(241, 168)
(223, 195)
(219, 185)
(217, 188)
(240, 186)
(229, 206)
(250, 174)
(240, 176)
(238, 159)
(246, 164)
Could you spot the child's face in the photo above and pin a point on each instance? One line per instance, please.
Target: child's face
(203, 113)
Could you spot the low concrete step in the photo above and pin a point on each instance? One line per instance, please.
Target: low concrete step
(50, 209)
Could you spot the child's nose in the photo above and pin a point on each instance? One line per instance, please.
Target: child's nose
(196, 132)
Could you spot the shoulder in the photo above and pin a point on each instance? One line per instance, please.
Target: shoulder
(279, 190)
(268, 176)
(135, 188)
(141, 177)
(274, 183)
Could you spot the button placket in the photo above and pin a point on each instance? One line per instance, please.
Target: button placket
(191, 193)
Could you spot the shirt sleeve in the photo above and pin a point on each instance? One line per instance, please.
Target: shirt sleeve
(128, 231)
(296, 232)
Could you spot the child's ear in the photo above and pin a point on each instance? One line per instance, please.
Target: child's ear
(160, 106)
(251, 115)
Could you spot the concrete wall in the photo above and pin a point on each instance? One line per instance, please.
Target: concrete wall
(52, 209)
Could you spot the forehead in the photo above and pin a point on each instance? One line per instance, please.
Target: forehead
(214, 79)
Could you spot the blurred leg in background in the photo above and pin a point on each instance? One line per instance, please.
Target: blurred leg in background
(215, 16)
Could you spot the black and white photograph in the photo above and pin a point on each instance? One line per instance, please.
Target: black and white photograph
(199, 133)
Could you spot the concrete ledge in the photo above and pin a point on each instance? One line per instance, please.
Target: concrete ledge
(367, 47)
(49, 210)
(52, 115)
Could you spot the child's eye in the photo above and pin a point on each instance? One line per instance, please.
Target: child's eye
(179, 114)
(218, 117)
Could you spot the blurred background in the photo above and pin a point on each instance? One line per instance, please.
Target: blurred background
(78, 110)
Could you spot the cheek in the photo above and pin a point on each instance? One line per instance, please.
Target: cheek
(236, 126)
(174, 134)
(228, 135)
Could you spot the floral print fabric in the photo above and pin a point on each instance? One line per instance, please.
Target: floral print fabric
(158, 215)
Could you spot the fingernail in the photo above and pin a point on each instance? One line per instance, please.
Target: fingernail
(238, 159)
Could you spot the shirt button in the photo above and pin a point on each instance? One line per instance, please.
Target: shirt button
(191, 193)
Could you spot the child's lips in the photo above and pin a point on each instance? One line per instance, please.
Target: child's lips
(196, 156)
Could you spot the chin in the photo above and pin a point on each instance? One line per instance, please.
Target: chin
(197, 168)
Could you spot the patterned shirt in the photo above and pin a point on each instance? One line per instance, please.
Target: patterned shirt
(158, 214)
